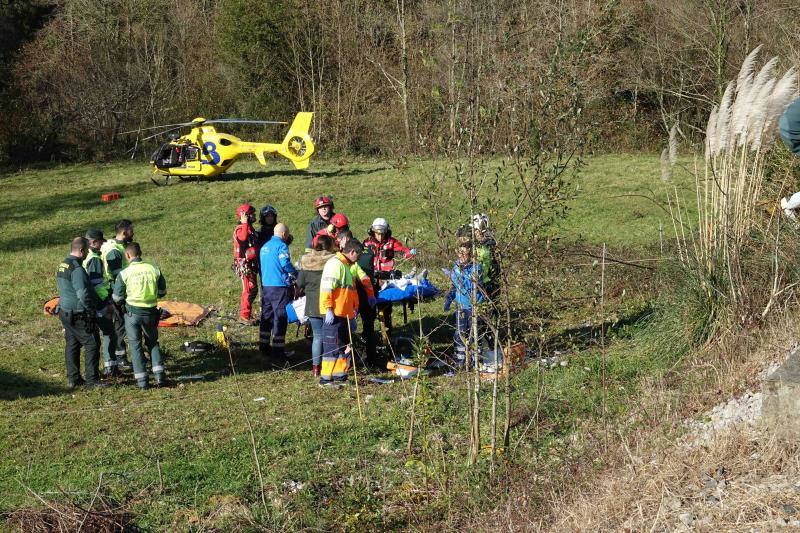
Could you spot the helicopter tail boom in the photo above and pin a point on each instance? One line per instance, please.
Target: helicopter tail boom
(297, 146)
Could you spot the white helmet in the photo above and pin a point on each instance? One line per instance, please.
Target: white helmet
(480, 222)
(380, 225)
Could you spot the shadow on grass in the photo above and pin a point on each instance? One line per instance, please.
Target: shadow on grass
(14, 386)
(62, 234)
(47, 206)
(300, 174)
(247, 359)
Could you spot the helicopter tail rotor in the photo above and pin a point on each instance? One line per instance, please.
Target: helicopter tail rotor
(298, 146)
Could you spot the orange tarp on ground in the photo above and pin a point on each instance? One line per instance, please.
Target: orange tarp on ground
(182, 313)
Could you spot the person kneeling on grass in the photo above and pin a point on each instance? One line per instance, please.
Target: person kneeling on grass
(311, 265)
(465, 276)
(338, 303)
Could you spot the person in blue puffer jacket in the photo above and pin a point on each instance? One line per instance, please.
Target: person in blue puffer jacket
(465, 276)
(277, 279)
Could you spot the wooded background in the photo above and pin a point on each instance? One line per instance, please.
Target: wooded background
(391, 77)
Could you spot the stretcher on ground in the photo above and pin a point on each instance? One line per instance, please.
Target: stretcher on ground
(172, 313)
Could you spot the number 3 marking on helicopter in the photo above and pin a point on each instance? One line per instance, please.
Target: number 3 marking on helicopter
(210, 148)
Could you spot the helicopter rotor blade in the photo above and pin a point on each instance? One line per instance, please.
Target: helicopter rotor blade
(155, 128)
(163, 132)
(243, 121)
(173, 127)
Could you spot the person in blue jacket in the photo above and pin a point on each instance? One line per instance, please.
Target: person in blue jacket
(789, 128)
(277, 279)
(465, 276)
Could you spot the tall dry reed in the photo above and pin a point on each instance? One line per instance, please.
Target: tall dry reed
(740, 131)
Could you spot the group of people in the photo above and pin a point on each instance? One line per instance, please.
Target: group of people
(338, 274)
(105, 288)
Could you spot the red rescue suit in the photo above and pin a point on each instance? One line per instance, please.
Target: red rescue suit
(385, 251)
(245, 265)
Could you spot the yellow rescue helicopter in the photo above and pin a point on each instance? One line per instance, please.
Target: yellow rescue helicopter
(206, 152)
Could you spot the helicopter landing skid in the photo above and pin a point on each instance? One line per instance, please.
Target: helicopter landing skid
(161, 180)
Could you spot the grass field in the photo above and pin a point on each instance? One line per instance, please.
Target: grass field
(176, 457)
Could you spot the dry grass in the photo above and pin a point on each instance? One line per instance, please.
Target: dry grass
(650, 480)
(744, 478)
(100, 516)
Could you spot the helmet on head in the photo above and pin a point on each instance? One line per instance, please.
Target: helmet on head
(340, 221)
(380, 225)
(322, 201)
(480, 222)
(245, 209)
(267, 210)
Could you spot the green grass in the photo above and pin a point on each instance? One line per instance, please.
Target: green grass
(171, 454)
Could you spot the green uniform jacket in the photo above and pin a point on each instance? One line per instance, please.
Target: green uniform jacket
(367, 262)
(140, 285)
(93, 264)
(74, 288)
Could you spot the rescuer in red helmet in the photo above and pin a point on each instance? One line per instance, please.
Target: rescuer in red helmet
(339, 223)
(245, 260)
(324, 207)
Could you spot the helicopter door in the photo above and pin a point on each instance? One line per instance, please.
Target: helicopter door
(190, 152)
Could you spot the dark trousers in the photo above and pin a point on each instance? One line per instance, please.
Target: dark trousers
(385, 316)
(141, 328)
(81, 330)
(368, 315)
(464, 339)
(463, 334)
(273, 321)
(119, 328)
(109, 332)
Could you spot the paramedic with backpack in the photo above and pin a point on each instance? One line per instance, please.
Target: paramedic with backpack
(245, 260)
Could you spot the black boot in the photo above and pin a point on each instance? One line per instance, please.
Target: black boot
(143, 384)
(75, 384)
(111, 372)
